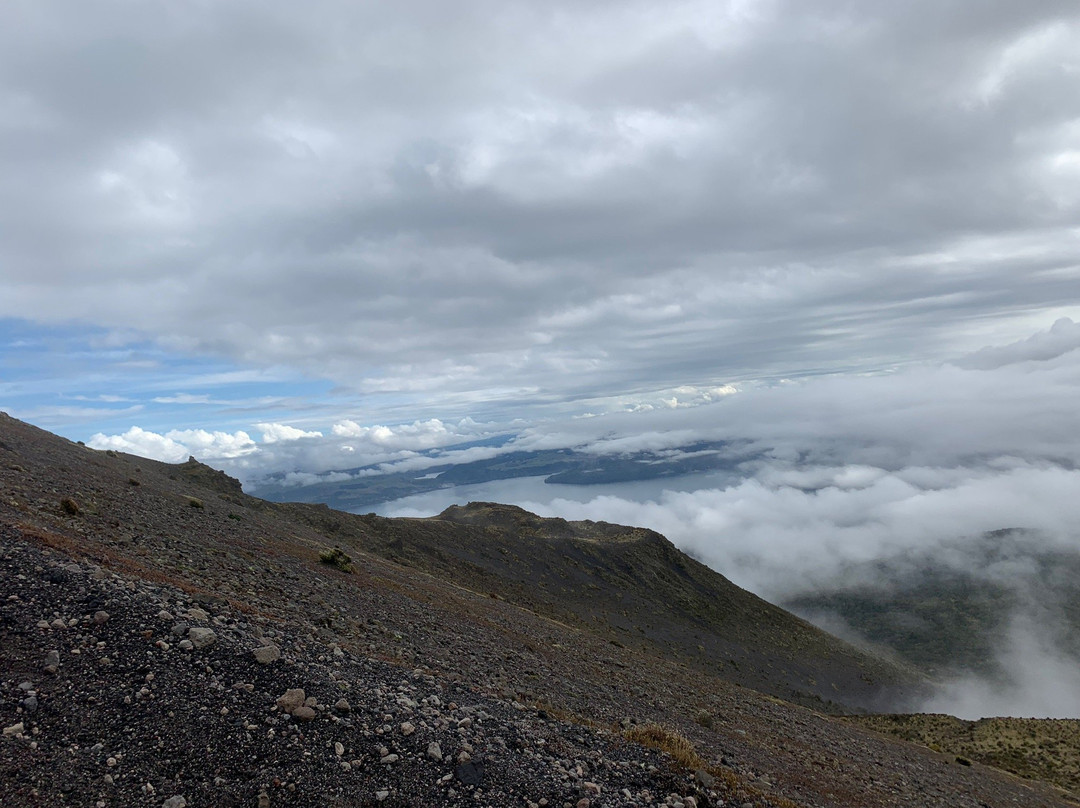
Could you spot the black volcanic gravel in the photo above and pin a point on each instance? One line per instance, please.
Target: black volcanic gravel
(130, 718)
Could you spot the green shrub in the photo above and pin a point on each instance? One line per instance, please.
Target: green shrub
(336, 558)
(195, 502)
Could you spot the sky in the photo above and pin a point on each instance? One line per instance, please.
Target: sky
(304, 237)
(220, 215)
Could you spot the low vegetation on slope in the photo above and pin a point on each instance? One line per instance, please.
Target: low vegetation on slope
(1037, 748)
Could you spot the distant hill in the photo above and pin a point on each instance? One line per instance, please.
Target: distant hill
(950, 617)
(372, 485)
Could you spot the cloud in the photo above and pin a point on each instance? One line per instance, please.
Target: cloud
(1039, 680)
(417, 435)
(274, 433)
(177, 445)
(542, 204)
(1063, 336)
(143, 443)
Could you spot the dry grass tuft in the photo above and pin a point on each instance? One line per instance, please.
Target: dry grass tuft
(655, 736)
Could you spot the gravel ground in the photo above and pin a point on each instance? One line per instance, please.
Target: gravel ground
(118, 692)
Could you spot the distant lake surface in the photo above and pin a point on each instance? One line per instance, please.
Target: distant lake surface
(525, 491)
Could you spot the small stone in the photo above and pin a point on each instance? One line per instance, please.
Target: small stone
(339, 748)
(264, 800)
(164, 615)
(266, 654)
(464, 723)
(30, 704)
(469, 774)
(584, 802)
(202, 637)
(381, 795)
(174, 802)
(101, 617)
(52, 661)
(195, 613)
(689, 802)
(292, 699)
(590, 788)
(110, 762)
(389, 758)
(434, 751)
(407, 728)
(304, 713)
(704, 779)
(185, 645)
(342, 706)
(14, 729)
(180, 629)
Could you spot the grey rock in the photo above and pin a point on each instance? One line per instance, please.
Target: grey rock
(704, 779)
(174, 802)
(265, 654)
(304, 713)
(342, 706)
(291, 699)
(52, 661)
(202, 637)
(434, 751)
(30, 704)
(101, 617)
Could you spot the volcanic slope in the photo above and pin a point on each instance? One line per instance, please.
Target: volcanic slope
(634, 588)
(137, 596)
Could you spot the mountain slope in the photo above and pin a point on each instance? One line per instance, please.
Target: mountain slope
(634, 588)
(84, 531)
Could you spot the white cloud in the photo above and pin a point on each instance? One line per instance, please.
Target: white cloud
(143, 443)
(275, 433)
(214, 445)
(177, 445)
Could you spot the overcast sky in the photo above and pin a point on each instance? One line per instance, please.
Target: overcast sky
(216, 215)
